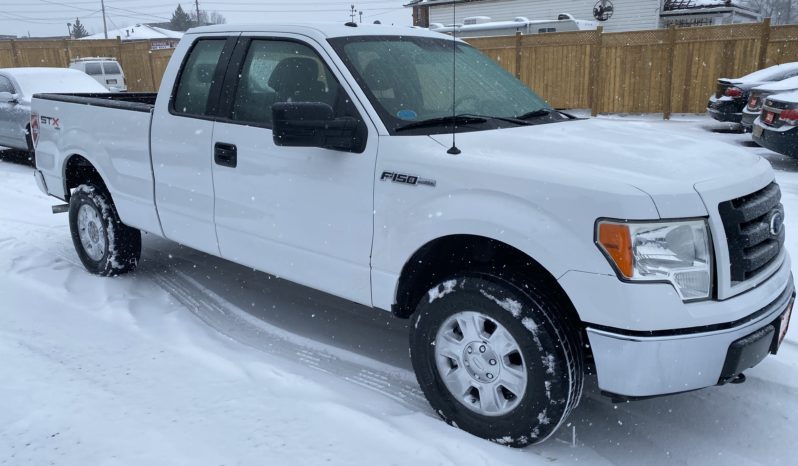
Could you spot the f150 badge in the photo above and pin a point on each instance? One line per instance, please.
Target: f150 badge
(407, 179)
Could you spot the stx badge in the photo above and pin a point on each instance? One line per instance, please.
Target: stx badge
(406, 179)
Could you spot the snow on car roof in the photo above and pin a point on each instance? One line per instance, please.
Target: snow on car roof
(767, 74)
(322, 29)
(784, 85)
(39, 80)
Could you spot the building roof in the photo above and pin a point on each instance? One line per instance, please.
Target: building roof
(138, 32)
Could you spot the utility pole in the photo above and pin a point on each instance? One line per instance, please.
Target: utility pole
(196, 4)
(352, 13)
(105, 27)
(69, 29)
(361, 16)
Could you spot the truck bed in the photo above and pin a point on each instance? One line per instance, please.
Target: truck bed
(109, 131)
(136, 101)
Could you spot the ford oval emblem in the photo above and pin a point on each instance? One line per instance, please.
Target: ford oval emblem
(776, 223)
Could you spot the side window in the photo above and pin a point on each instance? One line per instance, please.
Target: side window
(196, 77)
(5, 85)
(94, 69)
(282, 71)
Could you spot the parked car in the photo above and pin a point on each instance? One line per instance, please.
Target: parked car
(324, 154)
(732, 95)
(777, 127)
(106, 70)
(757, 98)
(17, 86)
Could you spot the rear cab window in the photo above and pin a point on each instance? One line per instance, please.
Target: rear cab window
(94, 69)
(110, 67)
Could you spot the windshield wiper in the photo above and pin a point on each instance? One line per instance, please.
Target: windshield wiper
(541, 112)
(443, 121)
(513, 120)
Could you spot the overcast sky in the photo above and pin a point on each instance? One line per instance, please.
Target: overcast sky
(50, 17)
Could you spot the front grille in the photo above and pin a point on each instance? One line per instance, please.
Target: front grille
(754, 231)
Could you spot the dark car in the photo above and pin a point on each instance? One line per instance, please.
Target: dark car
(732, 95)
(777, 127)
(757, 98)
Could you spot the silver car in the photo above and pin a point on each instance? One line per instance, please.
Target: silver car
(17, 85)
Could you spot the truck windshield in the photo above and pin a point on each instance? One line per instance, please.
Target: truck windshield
(409, 82)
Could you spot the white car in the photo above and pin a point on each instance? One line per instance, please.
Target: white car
(536, 245)
(105, 70)
(17, 86)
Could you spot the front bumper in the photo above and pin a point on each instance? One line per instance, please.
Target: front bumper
(632, 364)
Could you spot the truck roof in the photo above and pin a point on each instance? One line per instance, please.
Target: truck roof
(321, 30)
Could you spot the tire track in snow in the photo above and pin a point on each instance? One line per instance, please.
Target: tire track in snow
(238, 325)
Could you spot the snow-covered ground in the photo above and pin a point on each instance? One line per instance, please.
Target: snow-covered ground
(194, 360)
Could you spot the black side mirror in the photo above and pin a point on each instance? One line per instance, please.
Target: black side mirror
(313, 124)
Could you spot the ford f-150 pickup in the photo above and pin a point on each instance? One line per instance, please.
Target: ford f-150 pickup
(534, 250)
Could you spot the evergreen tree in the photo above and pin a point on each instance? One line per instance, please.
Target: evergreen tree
(180, 20)
(78, 30)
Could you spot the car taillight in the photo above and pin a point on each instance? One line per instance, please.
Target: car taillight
(34, 128)
(733, 92)
(753, 103)
(789, 117)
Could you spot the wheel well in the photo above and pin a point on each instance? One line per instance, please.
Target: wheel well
(79, 171)
(449, 255)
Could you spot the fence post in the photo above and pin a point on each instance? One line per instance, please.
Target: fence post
(595, 72)
(667, 104)
(518, 38)
(764, 41)
(14, 53)
(152, 70)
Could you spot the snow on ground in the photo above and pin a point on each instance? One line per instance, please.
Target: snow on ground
(194, 360)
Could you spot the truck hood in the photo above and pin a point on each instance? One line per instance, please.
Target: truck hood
(594, 151)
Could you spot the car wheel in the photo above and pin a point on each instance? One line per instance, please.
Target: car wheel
(104, 244)
(495, 360)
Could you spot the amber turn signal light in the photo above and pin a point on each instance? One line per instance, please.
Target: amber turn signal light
(616, 240)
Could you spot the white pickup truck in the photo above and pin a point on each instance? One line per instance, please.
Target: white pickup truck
(542, 249)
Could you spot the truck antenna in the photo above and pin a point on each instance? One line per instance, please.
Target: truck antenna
(454, 150)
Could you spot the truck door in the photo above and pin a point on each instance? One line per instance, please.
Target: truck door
(182, 154)
(304, 214)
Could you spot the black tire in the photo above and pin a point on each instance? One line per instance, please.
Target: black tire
(118, 246)
(555, 368)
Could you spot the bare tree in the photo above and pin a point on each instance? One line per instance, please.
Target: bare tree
(205, 18)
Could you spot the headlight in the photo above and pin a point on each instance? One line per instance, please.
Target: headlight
(674, 252)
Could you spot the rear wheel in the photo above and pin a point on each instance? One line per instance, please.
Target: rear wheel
(495, 360)
(104, 244)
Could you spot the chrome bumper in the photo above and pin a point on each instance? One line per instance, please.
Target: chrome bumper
(676, 361)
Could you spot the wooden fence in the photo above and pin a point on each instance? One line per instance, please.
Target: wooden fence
(657, 71)
(143, 67)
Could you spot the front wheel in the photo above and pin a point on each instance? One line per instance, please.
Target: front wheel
(496, 361)
(104, 244)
